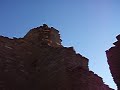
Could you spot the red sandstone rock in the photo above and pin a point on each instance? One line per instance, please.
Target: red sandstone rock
(37, 63)
(113, 55)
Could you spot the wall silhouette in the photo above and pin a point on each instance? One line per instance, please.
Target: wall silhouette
(39, 62)
(113, 55)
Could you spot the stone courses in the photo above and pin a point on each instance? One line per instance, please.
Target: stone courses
(31, 66)
(113, 55)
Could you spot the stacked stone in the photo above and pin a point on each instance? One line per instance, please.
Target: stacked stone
(95, 82)
(31, 66)
(44, 35)
(113, 55)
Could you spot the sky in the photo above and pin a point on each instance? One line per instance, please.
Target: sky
(90, 26)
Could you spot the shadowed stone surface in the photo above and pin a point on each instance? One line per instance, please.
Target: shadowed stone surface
(113, 55)
(39, 62)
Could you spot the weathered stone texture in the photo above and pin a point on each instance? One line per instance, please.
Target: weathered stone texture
(113, 55)
(27, 64)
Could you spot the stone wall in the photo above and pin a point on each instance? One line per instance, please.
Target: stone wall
(113, 55)
(29, 66)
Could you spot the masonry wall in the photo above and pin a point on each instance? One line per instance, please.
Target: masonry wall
(113, 55)
(31, 66)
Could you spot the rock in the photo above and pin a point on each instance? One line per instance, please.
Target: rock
(113, 55)
(29, 64)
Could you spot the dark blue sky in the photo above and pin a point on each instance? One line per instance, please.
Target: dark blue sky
(90, 26)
